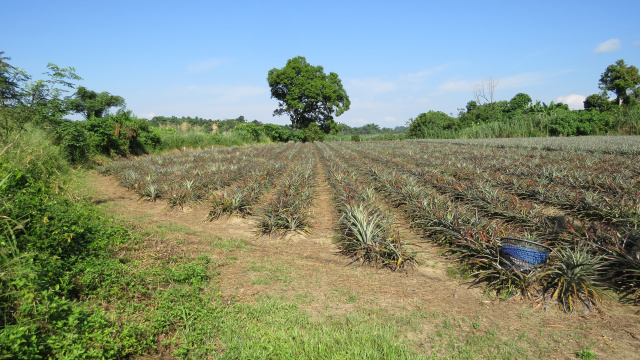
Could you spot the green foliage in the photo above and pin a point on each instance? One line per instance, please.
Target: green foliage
(355, 137)
(312, 133)
(307, 94)
(573, 278)
(92, 104)
(46, 240)
(116, 135)
(45, 96)
(430, 125)
(622, 80)
(597, 102)
(249, 130)
(11, 82)
(369, 129)
(519, 102)
(586, 354)
(169, 139)
(482, 114)
(72, 138)
(199, 124)
(575, 123)
(39, 102)
(276, 133)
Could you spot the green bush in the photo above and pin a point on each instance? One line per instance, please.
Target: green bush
(576, 123)
(47, 241)
(72, 138)
(312, 133)
(433, 124)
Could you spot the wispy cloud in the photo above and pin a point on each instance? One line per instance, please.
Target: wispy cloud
(419, 76)
(636, 43)
(610, 45)
(371, 87)
(509, 82)
(459, 85)
(575, 101)
(204, 66)
(147, 116)
(522, 80)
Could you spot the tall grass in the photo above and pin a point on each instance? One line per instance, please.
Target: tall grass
(521, 126)
(622, 121)
(31, 152)
(195, 140)
(627, 120)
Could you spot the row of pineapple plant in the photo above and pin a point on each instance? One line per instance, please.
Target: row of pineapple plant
(487, 192)
(595, 172)
(182, 178)
(366, 231)
(488, 201)
(289, 209)
(242, 197)
(475, 241)
(602, 190)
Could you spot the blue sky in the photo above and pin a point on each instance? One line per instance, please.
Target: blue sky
(396, 59)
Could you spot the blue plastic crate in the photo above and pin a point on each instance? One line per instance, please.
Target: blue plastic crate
(523, 255)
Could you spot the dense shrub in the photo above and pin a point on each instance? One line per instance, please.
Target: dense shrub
(47, 239)
(116, 135)
(575, 123)
(432, 124)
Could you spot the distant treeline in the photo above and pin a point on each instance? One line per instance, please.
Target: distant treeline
(521, 117)
(187, 123)
(370, 129)
(201, 124)
(504, 119)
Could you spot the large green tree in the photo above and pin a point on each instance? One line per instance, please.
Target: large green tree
(430, 125)
(41, 101)
(597, 102)
(11, 82)
(519, 102)
(307, 94)
(92, 104)
(622, 80)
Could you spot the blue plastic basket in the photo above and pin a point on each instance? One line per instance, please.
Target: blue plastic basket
(523, 255)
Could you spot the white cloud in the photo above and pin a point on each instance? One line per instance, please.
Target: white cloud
(575, 101)
(204, 66)
(389, 119)
(610, 45)
(147, 116)
(636, 43)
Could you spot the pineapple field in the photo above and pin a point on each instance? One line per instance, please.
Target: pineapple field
(406, 212)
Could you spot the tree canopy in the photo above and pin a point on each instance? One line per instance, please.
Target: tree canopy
(307, 94)
(92, 104)
(622, 80)
(429, 124)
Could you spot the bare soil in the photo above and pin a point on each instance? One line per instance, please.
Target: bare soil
(309, 270)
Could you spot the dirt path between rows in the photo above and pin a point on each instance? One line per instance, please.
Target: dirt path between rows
(308, 270)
